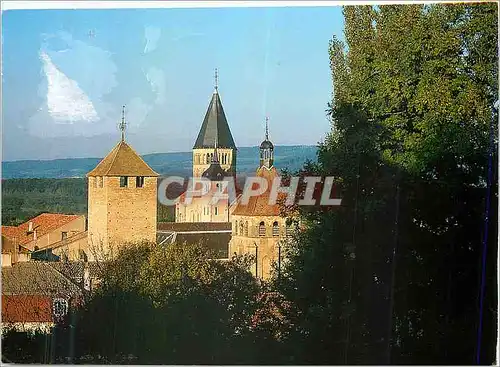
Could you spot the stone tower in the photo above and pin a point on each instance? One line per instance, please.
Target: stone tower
(258, 227)
(122, 200)
(214, 128)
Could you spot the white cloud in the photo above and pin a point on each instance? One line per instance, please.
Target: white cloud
(152, 35)
(66, 102)
(135, 113)
(156, 77)
(77, 77)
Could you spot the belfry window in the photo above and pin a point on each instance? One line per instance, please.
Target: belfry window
(139, 181)
(262, 229)
(123, 181)
(276, 229)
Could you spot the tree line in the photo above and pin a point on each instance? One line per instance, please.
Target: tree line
(404, 272)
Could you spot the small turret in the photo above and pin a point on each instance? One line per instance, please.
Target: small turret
(267, 150)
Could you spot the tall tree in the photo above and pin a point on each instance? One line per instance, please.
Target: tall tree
(411, 114)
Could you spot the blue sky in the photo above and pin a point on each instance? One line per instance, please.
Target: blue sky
(66, 74)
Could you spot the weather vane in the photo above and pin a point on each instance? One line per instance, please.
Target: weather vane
(123, 124)
(216, 79)
(267, 127)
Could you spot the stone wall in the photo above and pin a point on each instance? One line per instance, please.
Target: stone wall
(97, 211)
(247, 234)
(132, 211)
(119, 215)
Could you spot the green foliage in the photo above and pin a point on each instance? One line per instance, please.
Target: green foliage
(23, 199)
(413, 102)
(173, 305)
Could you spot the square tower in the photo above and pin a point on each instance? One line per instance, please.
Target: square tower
(122, 201)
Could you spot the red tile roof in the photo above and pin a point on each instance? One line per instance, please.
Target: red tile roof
(259, 205)
(44, 223)
(26, 308)
(10, 231)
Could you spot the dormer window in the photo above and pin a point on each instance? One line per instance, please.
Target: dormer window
(139, 181)
(123, 181)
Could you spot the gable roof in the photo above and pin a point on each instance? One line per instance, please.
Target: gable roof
(36, 278)
(215, 126)
(43, 223)
(122, 161)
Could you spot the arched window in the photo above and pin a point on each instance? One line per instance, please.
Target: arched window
(288, 229)
(241, 228)
(60, 307)
(246, 228)
(236, 228)
(262, 229)
(276, 229)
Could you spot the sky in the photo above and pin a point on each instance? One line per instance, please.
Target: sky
(67, 73)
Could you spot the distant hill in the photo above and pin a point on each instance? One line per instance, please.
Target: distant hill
(180, 164)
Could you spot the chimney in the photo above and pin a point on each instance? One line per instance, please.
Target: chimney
(34, 235)
(30, 227)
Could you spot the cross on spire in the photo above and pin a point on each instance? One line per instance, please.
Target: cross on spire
(267, 127)
(123, 124)
(216, 76)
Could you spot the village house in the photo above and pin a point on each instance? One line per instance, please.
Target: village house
(35, 296)
(43, 232)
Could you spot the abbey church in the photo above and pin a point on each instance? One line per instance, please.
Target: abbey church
(123, 204)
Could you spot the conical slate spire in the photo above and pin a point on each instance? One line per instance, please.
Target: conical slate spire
(215, 126)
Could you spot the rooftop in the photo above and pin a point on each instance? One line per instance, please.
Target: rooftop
(122, 161)
(36, 278)
(259, 205)
(215, 127)
(43, 223)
